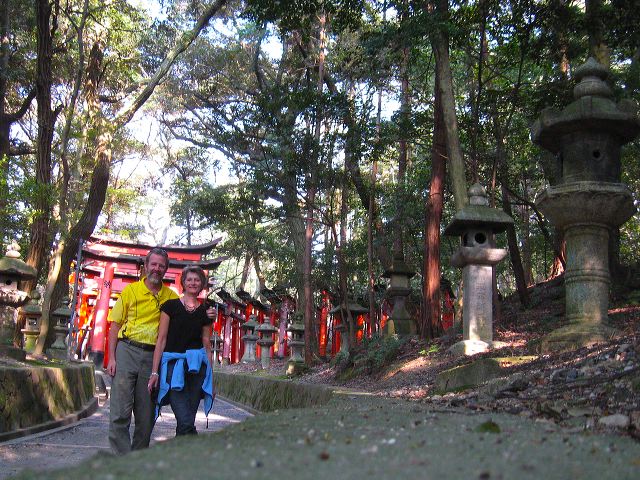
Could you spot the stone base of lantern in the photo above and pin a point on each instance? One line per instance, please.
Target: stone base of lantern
(573, 336)
(249, 349)
(472, 347)
(400, 321)
(265, 353)
(57, 353)
(30, 338)
(585, 211)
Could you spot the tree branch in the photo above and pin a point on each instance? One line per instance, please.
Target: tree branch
(187, 38)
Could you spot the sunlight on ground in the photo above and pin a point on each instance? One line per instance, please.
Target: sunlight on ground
(410, 366)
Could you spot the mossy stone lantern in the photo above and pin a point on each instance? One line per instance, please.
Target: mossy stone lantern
(32, 312)
(399, 275)
(12, 271)
(295, 364)
(355, 309)
(477, 225)
(61, 317)
(250, 338)
(587, 137)
(266, 331)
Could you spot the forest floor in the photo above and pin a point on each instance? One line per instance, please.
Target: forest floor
(592, 389)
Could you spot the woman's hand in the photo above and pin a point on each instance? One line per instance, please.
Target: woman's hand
(153, 383)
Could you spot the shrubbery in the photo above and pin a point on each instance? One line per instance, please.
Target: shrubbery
(375, 353)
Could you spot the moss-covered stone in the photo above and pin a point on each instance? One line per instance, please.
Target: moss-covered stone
(33, 395)
(476, 373)
(266, 394)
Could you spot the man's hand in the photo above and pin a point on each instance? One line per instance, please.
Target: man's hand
(211, 313)
(111, 367)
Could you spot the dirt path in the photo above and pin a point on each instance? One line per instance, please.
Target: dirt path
(69, 445)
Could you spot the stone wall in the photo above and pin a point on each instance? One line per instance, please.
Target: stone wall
(41, 394)
(266, 394)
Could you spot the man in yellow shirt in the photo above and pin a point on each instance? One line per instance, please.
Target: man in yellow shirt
(132, 336)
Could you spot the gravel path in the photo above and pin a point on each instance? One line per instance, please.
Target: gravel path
(69, 445)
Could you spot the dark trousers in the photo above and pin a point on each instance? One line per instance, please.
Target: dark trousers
(184, 403)
(129, 394)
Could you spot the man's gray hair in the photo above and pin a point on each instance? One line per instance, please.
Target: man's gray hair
(156, 251)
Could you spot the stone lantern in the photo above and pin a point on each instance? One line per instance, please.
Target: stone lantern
(249, 339)
(216, 341)
(32, 312)
(400, 321)
(295, 364)
(266, 341)
(61, 317)
(355, 309)
(477, 224)
(587, 137)
(12, 271)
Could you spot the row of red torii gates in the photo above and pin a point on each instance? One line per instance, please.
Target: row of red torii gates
(106, 266)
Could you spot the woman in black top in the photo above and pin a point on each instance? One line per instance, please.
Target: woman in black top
(183, 342)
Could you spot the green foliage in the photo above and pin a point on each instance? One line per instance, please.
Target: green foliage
(433, 348)
(375, 353)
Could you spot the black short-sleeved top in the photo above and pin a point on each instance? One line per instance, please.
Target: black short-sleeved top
(185, 328)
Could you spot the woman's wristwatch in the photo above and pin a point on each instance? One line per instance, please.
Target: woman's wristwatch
(155, 374)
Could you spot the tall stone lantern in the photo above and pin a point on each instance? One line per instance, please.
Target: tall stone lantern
(400, 321)
(266, 330)
(587, 137)
(32, 312)
(477, 225)
(61, 317)
(295, 364)
(250, 338)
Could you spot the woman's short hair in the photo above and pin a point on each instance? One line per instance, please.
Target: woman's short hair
(193, 269)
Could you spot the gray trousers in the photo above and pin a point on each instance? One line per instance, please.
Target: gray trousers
(129, 394)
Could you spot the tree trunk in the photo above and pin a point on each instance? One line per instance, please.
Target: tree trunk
(309, 314)
(431, 324)
(57, 281)
(342, 266)
(373, 314)
(512, 240)
(245, 271)
(598, 48)
(403, 157)
(440, 44)
(40, 236)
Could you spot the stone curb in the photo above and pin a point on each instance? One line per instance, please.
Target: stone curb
(264, 394)
(87, 410)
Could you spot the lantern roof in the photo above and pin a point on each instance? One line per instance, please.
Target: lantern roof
(63, 310)
(12, 265)
(33, 307)
(478, 213)
(593, 109)
(352, 306)
(398, 267)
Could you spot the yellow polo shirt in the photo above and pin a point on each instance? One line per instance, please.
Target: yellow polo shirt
(138, 311)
